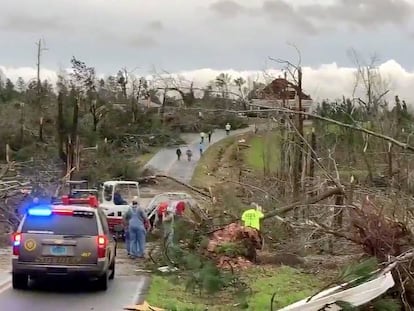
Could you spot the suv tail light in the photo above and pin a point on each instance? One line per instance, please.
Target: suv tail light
(17, 238)
(102, 242)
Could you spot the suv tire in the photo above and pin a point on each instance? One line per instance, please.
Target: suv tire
(112, 268)
(102, 282)
(20, 280)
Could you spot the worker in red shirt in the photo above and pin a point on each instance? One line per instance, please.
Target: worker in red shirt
(180, 208)
(161, 210)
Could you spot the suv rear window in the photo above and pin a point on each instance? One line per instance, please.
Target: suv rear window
(61, 225)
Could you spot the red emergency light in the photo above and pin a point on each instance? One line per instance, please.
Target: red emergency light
(92, 201)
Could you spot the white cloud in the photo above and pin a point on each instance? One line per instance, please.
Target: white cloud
(27, 73)
(326, 81)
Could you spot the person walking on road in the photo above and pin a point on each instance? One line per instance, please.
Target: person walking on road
(202, 135)
(201, 148)
(178, 152)
(210, 132)
(189, 154)
(228, 128)
(137, 223)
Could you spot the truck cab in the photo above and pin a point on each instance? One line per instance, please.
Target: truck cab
(115, 199)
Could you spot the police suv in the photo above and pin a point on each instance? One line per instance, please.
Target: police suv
(70, 238)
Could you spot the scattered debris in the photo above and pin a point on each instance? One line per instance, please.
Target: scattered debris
(145, 306)
(356, 296)
(165, 269)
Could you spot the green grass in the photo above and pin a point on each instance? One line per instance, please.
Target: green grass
(209, 163)
(264, 152)
(289, 284)
(169, 295)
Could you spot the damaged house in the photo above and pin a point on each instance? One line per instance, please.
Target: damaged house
(280, 93)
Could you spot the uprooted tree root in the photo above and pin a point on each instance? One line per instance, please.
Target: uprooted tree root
(380, 236)
(236, 244)
(384, 238)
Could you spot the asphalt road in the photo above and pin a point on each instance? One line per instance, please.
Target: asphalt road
(59, 296)
(165, 161)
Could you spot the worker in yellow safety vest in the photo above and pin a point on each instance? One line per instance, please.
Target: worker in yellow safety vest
(251, 217)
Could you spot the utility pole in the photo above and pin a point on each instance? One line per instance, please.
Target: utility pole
(40, 49)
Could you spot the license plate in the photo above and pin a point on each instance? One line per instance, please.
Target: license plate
(58, 250)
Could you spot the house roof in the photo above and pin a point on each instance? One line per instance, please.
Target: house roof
(280, 88)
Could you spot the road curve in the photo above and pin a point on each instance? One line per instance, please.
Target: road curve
(56, 296)
(165, 161)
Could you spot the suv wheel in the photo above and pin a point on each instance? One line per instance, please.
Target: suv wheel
(112, 268)
(102, 282)
(20, 280)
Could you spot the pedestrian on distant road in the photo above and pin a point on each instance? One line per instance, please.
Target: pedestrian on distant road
(210, 132)
(228, 128)
(178, 152)
(189, 154)
(137, 227)
(202, 135)
(201, 148)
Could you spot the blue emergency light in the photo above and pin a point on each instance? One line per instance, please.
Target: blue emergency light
(40, 211)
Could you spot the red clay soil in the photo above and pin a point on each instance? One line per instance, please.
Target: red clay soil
(248, 238)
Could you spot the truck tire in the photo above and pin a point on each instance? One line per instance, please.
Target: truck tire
(112, 268)
(102, 282)
(20, 280)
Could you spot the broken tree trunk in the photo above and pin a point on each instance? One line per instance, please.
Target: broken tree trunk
(312, 200)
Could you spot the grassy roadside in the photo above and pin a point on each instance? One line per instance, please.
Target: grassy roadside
(264, 152)
(289, 284)
(210, 162)
(142, 159)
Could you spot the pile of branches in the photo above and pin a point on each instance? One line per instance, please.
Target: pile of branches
(14, 189)
(20, 183)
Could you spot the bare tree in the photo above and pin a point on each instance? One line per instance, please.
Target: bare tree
(369, 79)
(240, 82)
(295, 72)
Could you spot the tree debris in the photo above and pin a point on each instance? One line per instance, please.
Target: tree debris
(234, 245)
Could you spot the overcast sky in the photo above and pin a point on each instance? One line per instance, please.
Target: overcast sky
(188, 35)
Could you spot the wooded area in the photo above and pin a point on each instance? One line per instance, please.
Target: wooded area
(343, 184)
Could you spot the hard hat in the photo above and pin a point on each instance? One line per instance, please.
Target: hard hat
(135, 199)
